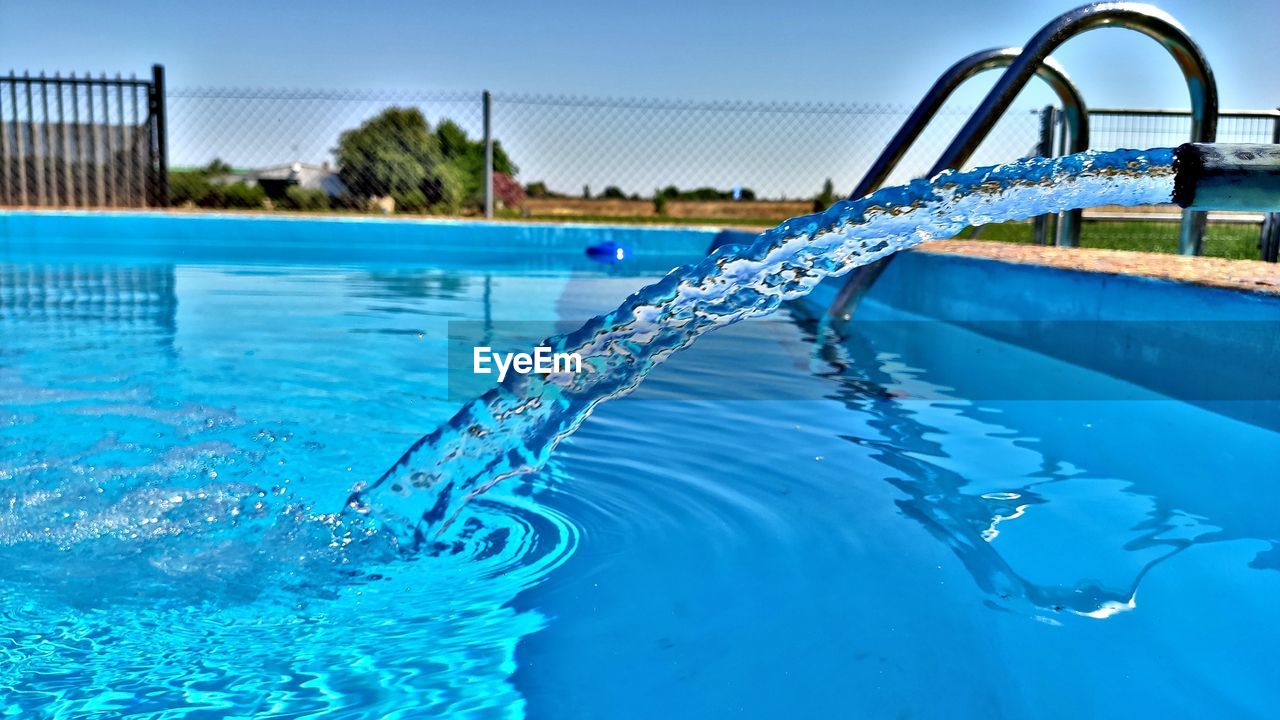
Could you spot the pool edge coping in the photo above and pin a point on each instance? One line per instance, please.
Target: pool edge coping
(1262, 278)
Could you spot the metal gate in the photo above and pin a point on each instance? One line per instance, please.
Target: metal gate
(82, 141)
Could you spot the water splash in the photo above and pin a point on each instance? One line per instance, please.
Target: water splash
(170, 574)
(513, 428)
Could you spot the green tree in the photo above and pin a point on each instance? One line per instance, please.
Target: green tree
(826, 197)
(456, 145)
(538, 189)
(466, 156)
(188, 187)
(613, 192)
(218, 166)
(395, 153)
(194, 187)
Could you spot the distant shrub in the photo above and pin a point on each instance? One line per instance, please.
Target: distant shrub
(188, 187)
(218, 166)
(347, 201)
(660, 202)
(300, 198)
(826, 197)
(410, 201)
(671, 192)
(507, 190)
(539, 190)
(705, 194)
(613, 192)
(239, 195)
(197, 187)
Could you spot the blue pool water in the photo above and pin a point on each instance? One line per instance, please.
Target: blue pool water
(775, 523)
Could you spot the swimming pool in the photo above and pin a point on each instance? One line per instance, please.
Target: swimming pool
(941, 513)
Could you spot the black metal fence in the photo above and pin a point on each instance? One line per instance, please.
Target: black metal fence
(79, 141)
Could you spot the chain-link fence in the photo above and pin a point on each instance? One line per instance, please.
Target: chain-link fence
(573, 156)
(779, 151)
(613, 158)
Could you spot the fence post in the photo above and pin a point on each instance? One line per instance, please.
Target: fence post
(64, 146)
(97, 197)
(1040, 232)
(83, 156)
(21, 140)
(44, 158)
(108, 140)
(1269, 240)
(159, 126)
(488, 155)
(6, 197)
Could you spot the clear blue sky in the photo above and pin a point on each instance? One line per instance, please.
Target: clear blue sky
(785, 49)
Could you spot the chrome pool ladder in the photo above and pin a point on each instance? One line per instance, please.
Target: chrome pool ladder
(1022, 64)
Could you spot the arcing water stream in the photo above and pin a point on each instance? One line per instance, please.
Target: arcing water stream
(513, 428)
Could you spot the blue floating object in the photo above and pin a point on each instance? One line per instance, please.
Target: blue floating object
(608, 252)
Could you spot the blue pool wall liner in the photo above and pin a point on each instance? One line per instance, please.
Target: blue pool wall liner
(1214, 347)
(964, 288)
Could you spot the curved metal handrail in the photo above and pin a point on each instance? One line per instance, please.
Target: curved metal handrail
(1146, 19)
(1077, 117)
